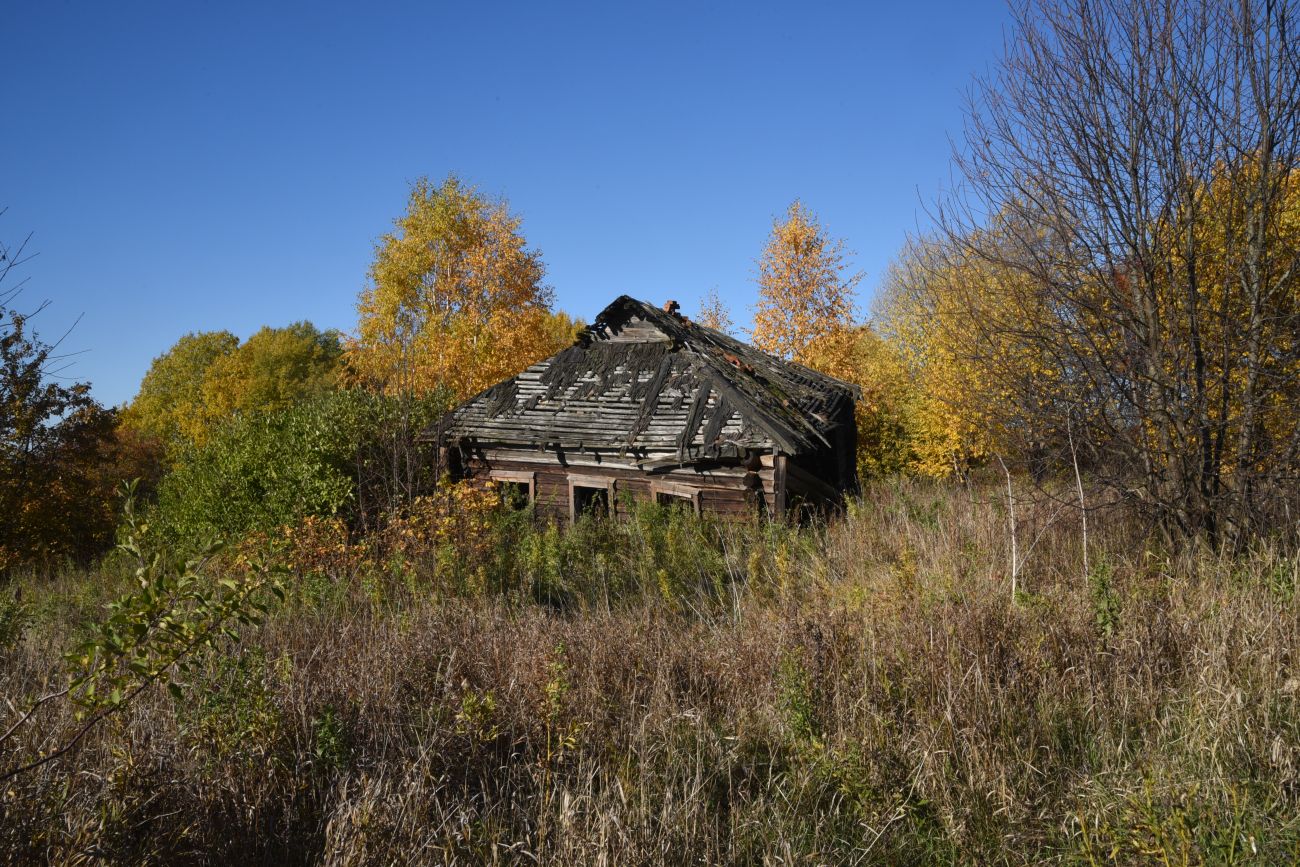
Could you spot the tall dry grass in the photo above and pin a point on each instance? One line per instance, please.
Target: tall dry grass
(665, 693)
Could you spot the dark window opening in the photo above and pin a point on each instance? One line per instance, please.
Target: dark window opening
(514, 495)
(590, 501)
(678, 501)
(800, 511)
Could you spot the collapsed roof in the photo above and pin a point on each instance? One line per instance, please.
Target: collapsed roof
(646, 380)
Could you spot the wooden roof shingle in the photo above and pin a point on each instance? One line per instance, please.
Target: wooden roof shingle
(647, 380)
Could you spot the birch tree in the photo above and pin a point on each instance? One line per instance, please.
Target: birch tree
(456, 298)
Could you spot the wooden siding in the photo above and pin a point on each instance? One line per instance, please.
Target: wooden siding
(730, 491)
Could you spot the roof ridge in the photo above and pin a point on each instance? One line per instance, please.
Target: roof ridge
(686, 326)
(726, 368)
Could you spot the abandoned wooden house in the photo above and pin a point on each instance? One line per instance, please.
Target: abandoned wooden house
(649, 405)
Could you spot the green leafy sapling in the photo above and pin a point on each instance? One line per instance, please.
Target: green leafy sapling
(154, 635)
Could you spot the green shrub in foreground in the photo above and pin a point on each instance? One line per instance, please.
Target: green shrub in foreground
(330, 455)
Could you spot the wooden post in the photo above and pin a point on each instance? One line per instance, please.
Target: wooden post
(1011, 521)
(778, 487)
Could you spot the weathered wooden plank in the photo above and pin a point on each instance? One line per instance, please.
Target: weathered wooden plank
(778, 484)
(730, 478)
(616, 397)
(589, 440)
(612, 461)
(636, 331)
(606, 414)
(724, 477)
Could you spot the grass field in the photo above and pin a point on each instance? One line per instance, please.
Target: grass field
(667, 692)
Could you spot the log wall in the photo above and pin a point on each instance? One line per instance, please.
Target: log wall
(726, 489)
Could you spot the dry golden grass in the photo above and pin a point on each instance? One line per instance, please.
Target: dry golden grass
(660, 693)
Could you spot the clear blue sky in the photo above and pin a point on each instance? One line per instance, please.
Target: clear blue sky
(205, 166)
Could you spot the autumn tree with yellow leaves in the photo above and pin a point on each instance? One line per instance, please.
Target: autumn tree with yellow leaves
(271, 370)
(960, 325)
(806, 313)
(713, 313)
(456, 299)
(169, 406)
(887, 405)
(209, 377)
(806, 294)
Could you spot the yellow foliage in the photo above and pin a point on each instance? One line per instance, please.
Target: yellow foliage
(982, 337)
(805, 295)
(456, 298)
(169, 406)
(888, 400)
(455, 517)
(714, 314)
(806, 313)
(206, 378)
(270, 371)
(320, 545)
(954, 321)
(1225, 213)
(458, 515)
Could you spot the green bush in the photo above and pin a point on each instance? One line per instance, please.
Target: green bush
(659, 551)
(330, 455)
(14, 618)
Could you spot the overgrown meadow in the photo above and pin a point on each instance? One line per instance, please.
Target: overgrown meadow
(1059, 625)
(473, 687)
